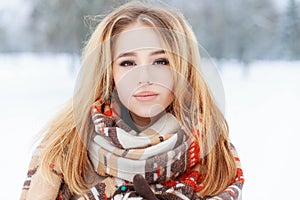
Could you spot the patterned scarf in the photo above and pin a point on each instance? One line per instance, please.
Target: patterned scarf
(159, 153)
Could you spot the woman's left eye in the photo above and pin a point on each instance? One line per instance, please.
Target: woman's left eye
(162, 61)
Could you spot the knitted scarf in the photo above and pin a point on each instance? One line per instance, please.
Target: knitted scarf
(160, 162)
(158, 153)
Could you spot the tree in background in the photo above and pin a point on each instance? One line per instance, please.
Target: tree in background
(60, 24)
(291, 32)
(243, 30)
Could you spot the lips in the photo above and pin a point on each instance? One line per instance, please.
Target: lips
(145, 95)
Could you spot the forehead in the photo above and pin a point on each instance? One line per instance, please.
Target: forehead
(136, 37)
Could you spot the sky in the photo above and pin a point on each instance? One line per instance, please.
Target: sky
(10, 3)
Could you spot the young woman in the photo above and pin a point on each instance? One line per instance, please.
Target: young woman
(142, 123)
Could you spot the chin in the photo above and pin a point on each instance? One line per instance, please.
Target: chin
(145, 114)
(148, 112)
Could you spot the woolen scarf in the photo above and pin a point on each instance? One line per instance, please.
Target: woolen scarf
(161, 160)
(158, 153)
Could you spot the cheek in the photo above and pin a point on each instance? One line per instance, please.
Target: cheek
(124, 85)
(162, 76)
(124, 94)
(169, 98)
(116, 75)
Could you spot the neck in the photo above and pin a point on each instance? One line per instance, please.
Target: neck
(144, 122)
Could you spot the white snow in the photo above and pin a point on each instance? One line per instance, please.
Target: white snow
(32, 88)
(263, 114)
(262, 108)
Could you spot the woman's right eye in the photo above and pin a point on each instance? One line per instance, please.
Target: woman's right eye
(127, 63)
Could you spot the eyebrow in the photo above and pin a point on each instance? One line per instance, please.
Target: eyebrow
(133, 53)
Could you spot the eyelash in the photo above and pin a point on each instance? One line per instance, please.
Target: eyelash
(162, 60)
(129, 63)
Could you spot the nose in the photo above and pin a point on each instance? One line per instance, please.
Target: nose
(143, 74)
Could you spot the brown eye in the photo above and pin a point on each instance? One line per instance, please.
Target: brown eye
(162, 61)
(127, 63)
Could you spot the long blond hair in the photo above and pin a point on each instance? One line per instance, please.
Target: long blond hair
(67, 135)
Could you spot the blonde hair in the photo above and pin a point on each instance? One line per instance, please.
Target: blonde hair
(67, 135)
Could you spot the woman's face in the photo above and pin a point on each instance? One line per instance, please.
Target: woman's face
(141, 71)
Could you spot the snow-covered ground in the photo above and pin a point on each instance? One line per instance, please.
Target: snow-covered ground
(262, 108)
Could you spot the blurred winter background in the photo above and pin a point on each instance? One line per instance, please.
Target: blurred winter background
(255, 43)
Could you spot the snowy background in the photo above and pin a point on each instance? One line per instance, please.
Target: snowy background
(262, 111)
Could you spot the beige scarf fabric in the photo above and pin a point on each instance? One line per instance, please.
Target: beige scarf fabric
(159, 153)
(163, 152)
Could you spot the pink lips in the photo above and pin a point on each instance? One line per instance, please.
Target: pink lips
(145, 96)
